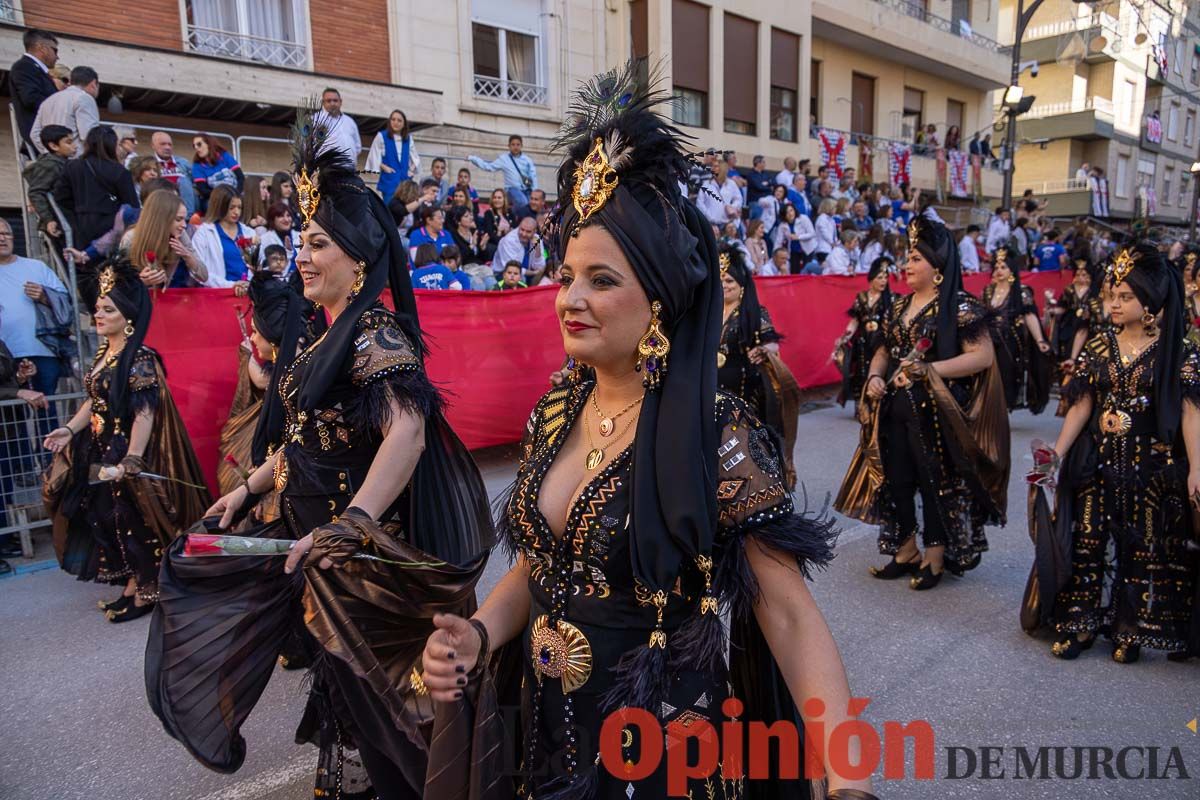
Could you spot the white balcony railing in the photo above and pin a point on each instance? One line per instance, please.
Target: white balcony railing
(917, 10)
(1042, 110)
(1092, 20)
(245, 47)
(1051, 187)
(529, 94)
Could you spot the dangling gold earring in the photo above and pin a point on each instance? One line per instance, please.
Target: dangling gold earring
(1011, 278)
(573, 368)
(360, 274)
(129, 329)
(1150, 324)
(937, 279)
(653, 349)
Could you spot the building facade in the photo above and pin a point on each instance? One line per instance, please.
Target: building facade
(1118, 88)
(752, 76)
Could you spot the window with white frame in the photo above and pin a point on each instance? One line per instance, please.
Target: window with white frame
(1122, 182)
(268, 31)
(1189, 128)
(1168, 175)
(506, 46)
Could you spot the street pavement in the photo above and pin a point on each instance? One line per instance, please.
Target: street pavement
(77, 725)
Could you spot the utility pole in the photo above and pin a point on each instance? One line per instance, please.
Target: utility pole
(1024, 16)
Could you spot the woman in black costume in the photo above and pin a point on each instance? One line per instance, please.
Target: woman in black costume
(371, 480)
(1130, 444)
(1070, 312)
(936, 423)
(1020, 344)
(110, 525)
(748, 362)
(644, 496)
(864, 331)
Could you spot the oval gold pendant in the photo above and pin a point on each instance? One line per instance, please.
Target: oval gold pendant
(594, 457)
(606, 427)
(720, 360)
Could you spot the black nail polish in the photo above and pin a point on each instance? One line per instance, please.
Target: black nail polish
(461, 681)
(458, 695)
(460, 668)
(451, 655)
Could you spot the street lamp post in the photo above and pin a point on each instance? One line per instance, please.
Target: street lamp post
(1024, 16)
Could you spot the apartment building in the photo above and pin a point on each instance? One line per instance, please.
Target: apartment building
(1118, 88)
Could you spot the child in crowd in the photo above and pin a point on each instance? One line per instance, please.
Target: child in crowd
(450, 260)
(275, 259)
(511, 279)
(429, 274)
(41, 175)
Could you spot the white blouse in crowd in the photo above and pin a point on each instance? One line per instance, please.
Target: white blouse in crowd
(375, 155)
(840, 261)
(801, 230)
(713, 208)
(770, 212)
(826, 234)
(869, 253)
(207, 244)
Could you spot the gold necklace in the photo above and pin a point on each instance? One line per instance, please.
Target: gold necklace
(608, 424)
(595, 455)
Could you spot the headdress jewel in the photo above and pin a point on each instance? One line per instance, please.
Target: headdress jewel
(108, 279)
(595, 181)
(1122, 265)
(914, 234)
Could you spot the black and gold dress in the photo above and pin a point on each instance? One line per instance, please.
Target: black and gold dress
(1076, 313)
(1130, 564)
(856, 353)
(129, 521)
(582, 583)
(237, 434)
(736, 374)
(1024, 369)
(944, 438)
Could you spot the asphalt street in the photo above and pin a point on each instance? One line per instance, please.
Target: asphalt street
(76, 723)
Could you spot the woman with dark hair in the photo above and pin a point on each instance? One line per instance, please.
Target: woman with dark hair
(935, 424)
(1071, 310)
(644, 498)
(856, 347)
(112, 525)
(223, 243)
(255, 201)
(371, 479)
(282, 190)
(748, 362)
(953, 138)
(393, 155)
(213, 167)
(432, 231)
(472, 245)
(498, 219)
(280, 231)
(1130, 474)
(91, 190)
(1022, 351)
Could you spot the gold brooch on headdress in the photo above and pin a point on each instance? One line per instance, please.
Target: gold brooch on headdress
(723, 260)
(914, 235)
(595, 182)
(108, 279)
(1190, 260)
(307, 195)
(1001, 256)
(1122, 265)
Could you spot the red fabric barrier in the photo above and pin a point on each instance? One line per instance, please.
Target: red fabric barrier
(490, 352)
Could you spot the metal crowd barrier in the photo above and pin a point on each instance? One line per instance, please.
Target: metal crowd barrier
(23, 460)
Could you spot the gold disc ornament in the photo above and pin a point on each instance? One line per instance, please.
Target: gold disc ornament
(720, 359)
(594, 457)
(606, 426)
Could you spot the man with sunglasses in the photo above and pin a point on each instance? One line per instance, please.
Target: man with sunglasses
(29, 81)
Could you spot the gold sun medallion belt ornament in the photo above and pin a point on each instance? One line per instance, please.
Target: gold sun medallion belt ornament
(1115, 422)
(560, 651)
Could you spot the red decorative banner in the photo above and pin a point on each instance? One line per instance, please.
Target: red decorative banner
(958, 162)
(833, 150)
(899, 160)
(490, 352)
(866, 159)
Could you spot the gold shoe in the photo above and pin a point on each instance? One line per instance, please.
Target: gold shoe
(1126, 653)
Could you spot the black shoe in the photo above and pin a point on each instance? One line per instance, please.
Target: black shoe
(959, 568)
(896, 569)
(115, 605)
(925, 578)
(130, 612)
(1126, 653)
(1068, 649)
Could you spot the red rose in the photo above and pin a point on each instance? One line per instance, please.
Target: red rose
(151, 256)
(243, 242)
(1042, 457)
(1196, 322)
(230, 460)
(202, 544)
(924, 344)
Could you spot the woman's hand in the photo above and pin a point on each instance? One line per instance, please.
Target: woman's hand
(247, 345)
(876, 387)
(179, 248)
(241, 288)
(58, 439)
(153, 276)
(385, 168)
(1044, 346)
(757, 355)
(228, 505)
(79, 256)
(450, 653)
(299, 552)
(35, 399)
(1193, 487)
(113, 473)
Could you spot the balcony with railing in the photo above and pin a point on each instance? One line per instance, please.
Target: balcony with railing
(961, 27)
(510, 91)
(1083, 118)
(246, 47)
